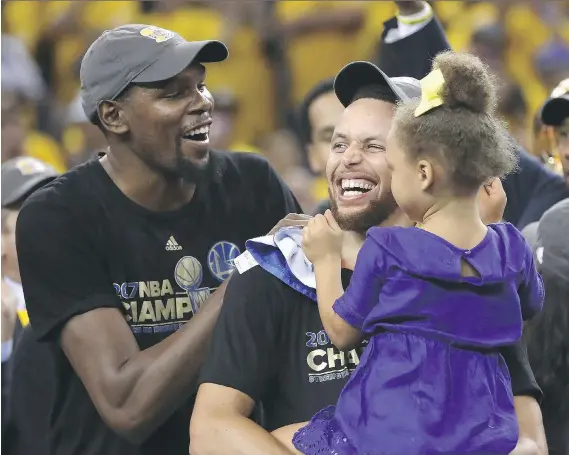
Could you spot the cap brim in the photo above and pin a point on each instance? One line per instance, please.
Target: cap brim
(555, 111)
(22, 192)
(356, 75)
(174, 60)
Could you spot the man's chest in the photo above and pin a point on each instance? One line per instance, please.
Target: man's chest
(314, 371)
(163, 275)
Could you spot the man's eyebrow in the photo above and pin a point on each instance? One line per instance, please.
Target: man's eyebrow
(339, 135)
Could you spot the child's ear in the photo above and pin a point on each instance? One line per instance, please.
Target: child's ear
(425, 173)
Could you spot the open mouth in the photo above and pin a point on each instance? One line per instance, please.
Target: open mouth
(353, 188)
(200, 134)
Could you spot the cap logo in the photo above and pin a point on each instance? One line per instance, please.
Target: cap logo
(30, 166)
(157, 34)
(539, 254)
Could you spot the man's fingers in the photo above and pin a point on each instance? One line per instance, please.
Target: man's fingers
(297, 216)
(289, 223)
(331, 220)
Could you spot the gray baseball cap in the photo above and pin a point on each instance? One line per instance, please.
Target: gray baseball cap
(359, 74)
(551, 244)
(21, 176)
(138, 53)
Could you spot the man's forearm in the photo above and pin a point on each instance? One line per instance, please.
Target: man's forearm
(233, 435)
(161, 377)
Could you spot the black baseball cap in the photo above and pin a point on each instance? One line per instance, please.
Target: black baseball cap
(556, 108)
(138, 53)
(359, 74)
(550, 244)
(21, 176)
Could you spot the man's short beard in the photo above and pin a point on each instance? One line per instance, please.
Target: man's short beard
(375, 214)
(196, 173)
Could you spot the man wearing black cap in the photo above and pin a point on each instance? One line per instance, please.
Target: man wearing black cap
(555, 114)
(120, 255)
(269, 345)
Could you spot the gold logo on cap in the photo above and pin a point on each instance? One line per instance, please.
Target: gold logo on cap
(29, 166)
(157, 34)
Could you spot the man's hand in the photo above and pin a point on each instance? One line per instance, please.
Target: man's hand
(408, 7)
(9, 304)
(292, 219)
(322, 238)
(492, 202)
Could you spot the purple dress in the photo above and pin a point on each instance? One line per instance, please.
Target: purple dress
(431, 380)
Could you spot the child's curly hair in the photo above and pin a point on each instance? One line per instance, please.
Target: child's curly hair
(464, 134)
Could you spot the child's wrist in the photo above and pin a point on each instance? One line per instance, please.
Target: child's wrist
(329, 261)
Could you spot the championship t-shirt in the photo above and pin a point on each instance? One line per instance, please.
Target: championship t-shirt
(83, 245)
(270, 344)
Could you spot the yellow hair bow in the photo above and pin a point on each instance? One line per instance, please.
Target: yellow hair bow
(431, 87)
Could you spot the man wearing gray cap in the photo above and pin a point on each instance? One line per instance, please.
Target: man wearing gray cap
(21, 176)
(269, 345)
(546, 335)
(120, 256)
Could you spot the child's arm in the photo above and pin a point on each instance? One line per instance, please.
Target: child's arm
(329, 289)
(355, 305)
(531, 290)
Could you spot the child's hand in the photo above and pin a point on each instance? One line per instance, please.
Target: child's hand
(322, 238)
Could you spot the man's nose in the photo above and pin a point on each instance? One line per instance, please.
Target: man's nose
(202, 102)
(352, 155)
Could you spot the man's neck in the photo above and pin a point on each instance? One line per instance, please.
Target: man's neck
(145, 186)
(397, 218)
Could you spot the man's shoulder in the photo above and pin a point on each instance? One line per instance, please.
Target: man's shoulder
(262, 283)
(57, 203)
(67, 189)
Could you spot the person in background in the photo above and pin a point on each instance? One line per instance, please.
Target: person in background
(19, 138)
(21, 177)
(222, 133)
(555, 116)
(546, 335)
(81, 139)
(512, 106)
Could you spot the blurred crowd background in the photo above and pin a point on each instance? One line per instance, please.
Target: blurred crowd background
(278, 51)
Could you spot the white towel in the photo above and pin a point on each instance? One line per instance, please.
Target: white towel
(281, 255)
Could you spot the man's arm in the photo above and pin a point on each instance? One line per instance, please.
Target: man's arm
(135, 391)
(242, 361)
(531, 440)
(526, 392)
(221, 426)
(70, 298)
(412, 55)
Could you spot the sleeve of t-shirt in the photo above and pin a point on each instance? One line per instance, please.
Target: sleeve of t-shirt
(531, 289)
(412, 56)
(244, 350)
(531, 190)
(363, 292)
(521, 374)
(63, 274)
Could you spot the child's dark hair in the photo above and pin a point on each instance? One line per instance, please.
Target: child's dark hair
(464, 134)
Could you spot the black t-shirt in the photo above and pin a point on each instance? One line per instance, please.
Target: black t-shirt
(83, 245)
(31, 396)
(269, 343)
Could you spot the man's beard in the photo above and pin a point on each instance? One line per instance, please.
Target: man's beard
(192, 172)
(376, 213)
